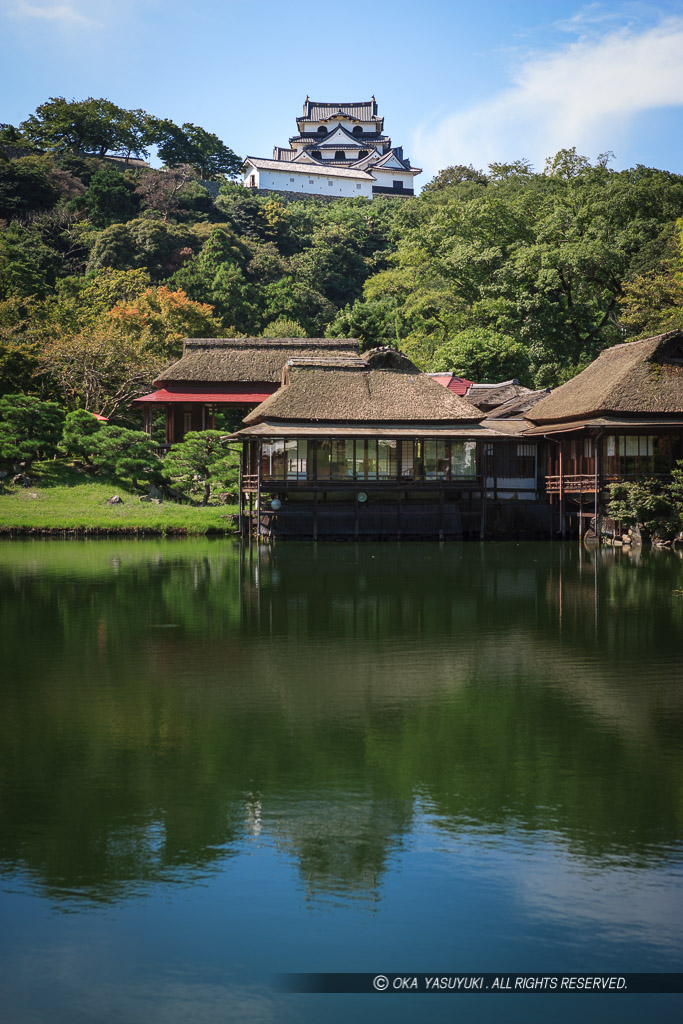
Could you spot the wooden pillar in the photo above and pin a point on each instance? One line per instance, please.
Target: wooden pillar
(356, 515)
(203, 416)
(484, 471)
(258, 493)
(241, 495)
(561, 491)
(398, 513)
(169, 424)
(598, 460)
(315, 514)
(483, 478)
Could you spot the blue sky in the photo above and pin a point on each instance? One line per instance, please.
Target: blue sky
(458, 82)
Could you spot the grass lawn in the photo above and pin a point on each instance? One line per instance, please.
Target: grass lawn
(62, 498)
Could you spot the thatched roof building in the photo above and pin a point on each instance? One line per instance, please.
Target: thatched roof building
(379, 392)
(248, 359)
(640, 379)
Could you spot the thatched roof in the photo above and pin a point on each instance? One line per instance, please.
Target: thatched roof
(518, 405)
(637, 378)
(490, 396)
(249, 359)
(382, 386)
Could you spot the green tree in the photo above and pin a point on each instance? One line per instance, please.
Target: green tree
(29, 428)
(283, 328)
(198, 462)
(92, 125)
(109, 198)
(655, 506)
(484, 356)
(217, 276)
(24, 188)
(129, 454)
(193, 145)
(80, 428)
(27, 265)
(376, 322)
(456, 175)
(151, 245)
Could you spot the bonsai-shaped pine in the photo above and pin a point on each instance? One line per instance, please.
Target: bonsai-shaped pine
(80, 431)
(125, 453)
(200, 461)
(29, 429)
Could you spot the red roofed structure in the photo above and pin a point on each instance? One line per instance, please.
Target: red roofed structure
(215, 374)
(457, 385)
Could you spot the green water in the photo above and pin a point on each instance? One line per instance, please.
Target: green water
(217, 765)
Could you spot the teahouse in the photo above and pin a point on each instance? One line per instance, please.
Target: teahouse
(218, 374)
(620, 419)
(369, 446)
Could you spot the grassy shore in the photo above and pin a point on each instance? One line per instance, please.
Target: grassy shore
(62, 499)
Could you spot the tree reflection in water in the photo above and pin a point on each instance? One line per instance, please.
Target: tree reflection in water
(168, 703)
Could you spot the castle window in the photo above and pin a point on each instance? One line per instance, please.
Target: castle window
(398, 185)
(322, 130)
(357, 186)
(316, 154)
(357, 130)
(340, 155)
(291, 179)
(363, 153)
(330, 183)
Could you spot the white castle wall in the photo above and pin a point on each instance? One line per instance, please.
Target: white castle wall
(313, 184)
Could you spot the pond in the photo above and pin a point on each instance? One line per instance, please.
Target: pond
(219, 764)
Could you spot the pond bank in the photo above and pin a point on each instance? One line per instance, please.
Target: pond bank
(59, 502)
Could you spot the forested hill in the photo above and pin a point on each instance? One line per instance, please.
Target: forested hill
(106, 266)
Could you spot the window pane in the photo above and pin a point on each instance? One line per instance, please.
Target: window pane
(301, 459)
(430, 459)
(386, 460)
(371, 460)
(463, 458)
(273, 460)
(442, 460)
(366, 460)
(291, 460)
(407, 460)
(342, 465)
(324, 456)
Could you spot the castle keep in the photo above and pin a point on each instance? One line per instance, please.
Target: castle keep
(339, 150)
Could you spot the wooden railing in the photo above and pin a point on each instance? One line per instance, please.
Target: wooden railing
(572, 483)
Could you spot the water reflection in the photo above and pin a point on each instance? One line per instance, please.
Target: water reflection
(169, 705)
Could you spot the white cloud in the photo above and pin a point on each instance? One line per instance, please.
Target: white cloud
(64, 13)
(583, 94)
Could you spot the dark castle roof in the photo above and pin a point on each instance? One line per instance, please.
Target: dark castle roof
(365, 110)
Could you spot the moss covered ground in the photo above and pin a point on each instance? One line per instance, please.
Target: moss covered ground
(62, 498)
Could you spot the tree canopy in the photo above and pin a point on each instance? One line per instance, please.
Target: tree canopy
(504, 272)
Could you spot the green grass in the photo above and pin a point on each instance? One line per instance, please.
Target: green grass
(64, 499)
